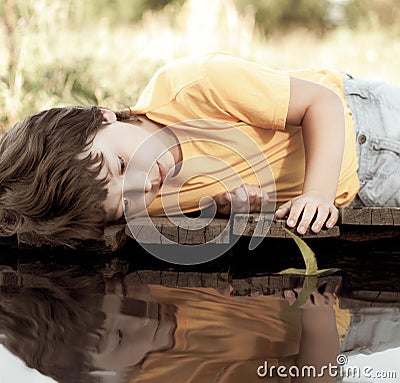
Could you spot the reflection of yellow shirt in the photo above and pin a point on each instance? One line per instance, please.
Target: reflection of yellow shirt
(224, 339)
(242, 108)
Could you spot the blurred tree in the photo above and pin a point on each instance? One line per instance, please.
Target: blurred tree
(276, 16)
(319, 16)
(382, 13)
(358, 12)
(125, 11)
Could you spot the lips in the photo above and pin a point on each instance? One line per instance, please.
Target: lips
(162, 172)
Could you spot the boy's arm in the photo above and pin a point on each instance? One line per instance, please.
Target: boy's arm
(319, 343)
(320, 113)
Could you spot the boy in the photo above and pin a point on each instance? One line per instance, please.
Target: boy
(67, 167)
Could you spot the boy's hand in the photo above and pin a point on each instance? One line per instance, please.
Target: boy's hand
(245, 198)
(317, 314)
(317, 301)
(309, 205)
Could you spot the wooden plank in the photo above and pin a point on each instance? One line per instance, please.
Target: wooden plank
(144, 231)
(169, 278)
(178, 278)
(260, 225)
(359, 299)
(148, 277)
(191, 232)
(396, 217)
(382, 216)
(218, 232)
(355, 215)
(377, 216)
(273, 284)
(189, 279)
(214, 279)
(180, 231)
(153, 277)
(160, 230)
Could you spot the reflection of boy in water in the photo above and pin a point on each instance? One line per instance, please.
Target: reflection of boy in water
(54, 324)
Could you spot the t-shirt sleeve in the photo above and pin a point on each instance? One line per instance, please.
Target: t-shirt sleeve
(253, 93)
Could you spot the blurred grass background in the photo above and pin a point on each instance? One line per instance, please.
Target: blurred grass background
(82, 52)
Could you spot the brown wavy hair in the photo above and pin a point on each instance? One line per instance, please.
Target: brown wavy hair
(48, 189)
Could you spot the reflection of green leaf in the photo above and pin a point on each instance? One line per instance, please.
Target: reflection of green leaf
(294, 271)
(310, 281)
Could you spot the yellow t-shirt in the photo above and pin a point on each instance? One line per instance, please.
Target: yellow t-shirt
(229, 116)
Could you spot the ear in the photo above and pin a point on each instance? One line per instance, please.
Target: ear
(108, 116)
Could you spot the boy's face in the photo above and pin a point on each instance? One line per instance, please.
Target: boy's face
(134, 326)
(141, 181)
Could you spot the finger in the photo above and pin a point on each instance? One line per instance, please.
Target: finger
(223, 199)
(330, 298)
(308, 214)
(290, 296)
(333, 217)
(223, 202)
(295, 211)
(322, 215)
(257, 202)
(283, 210)
(310, 299)
(238, 206)
(251, 191)
(265, 200)
(318, 298)
(240, 194)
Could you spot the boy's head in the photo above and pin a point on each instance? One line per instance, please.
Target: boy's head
(62, 172)
(48, 188)
(52, 320)
(76, 325)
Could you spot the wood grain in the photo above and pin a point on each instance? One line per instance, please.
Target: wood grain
(375, 216)
(162, 230)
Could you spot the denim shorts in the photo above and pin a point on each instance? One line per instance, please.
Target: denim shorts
(375, 108)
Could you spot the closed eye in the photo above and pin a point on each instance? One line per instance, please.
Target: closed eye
(122, 164)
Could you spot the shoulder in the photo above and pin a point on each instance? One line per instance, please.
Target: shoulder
(183, 71)
(183, 74)
(188, 70)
